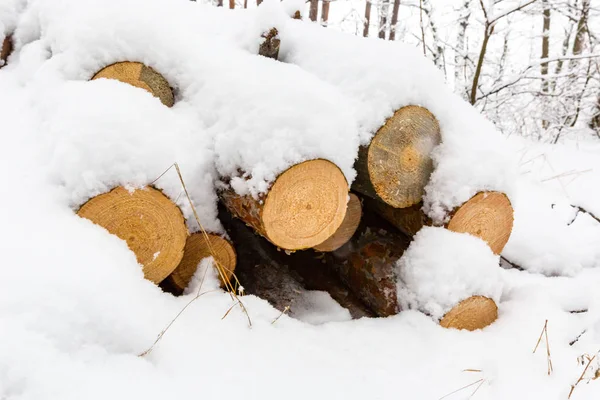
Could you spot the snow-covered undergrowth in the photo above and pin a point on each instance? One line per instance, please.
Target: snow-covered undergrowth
(75, 311)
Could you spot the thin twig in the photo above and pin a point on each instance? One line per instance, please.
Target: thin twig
(463, 388)
(549, 358)
(285, 310)
(422, 28)
(581, 377)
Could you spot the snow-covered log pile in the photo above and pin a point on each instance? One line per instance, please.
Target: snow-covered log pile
(281, 148)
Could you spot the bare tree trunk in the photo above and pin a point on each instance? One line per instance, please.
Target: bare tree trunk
(545, 52)
(460, 58)
(258, 2)
(231, 4)
(314, 10)
(367, 18)
(581, 28)
(325, 12)
(219, 3)
(245, 3)
(438, 49)
(395, 11)
(383, 18)
(486, 37)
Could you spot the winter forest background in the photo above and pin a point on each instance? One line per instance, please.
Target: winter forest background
(530, 66)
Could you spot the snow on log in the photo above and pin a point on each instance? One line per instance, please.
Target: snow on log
(368, 267)
(396, 165)
(150, 223)
(283, 279)
(488, 216)
(5, 50)
(305, 205)
(198, 247)
(475, 312)
(270, 46)
(452, 277)
(346, 229)
(139, 75)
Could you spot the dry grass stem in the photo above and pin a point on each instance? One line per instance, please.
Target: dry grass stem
(220, 269)
(480, 382)
(549, 358)
(285, 310)
(590, 359)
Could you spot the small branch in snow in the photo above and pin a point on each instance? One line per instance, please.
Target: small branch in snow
(590, 359)
(480, 382)
(512, 264)
(285, 310)
(545, 332)
(582, 210)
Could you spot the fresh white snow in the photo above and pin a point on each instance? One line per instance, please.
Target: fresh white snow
(75, 311)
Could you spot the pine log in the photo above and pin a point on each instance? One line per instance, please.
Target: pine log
(197, 247)
(279, 278)
(270, 46)
(150, 223)
(475, 312)
(367, 264)
(304, 206)
(395, 167)
(5, 50)
(142, 76)
(487, 215)
(346, 229)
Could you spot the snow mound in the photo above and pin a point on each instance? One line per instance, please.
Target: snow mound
(441, 268)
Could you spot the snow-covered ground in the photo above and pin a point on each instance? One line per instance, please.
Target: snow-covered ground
(75, 311)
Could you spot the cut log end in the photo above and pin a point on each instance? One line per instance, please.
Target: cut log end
(473, 313)
(488, 216)
(142, 76)
(150, 223)
(306, 205)
(197, 248)
(398, 159)
(303, 208)
(5, 50)
(346, 229)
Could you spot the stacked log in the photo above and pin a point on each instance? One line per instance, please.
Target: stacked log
(395, 167)
(270, 45)
(347, 229)
(150, 223)
(197, 247)
(141, 76)
(303, 207)
(5, 50)
(282, 279)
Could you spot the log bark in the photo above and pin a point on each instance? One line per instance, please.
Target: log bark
(303, 207)
(270, 45)
(197, 247)
(487, 215)
(366, 264)
(142, 76)
(346, 229)
(5, 50)
(395, 167)
(150, 223)
(282, 279)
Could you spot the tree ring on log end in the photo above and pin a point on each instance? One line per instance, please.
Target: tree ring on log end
(197, 248)
(488, 216)
(473, 313)
(346, 229)
(5, 50)
(305, 205)
(399, 160)
(139, 75)
(150, 223)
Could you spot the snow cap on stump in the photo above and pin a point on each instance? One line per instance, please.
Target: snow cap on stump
(453, 277)
(139, 75)
(150, 223)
